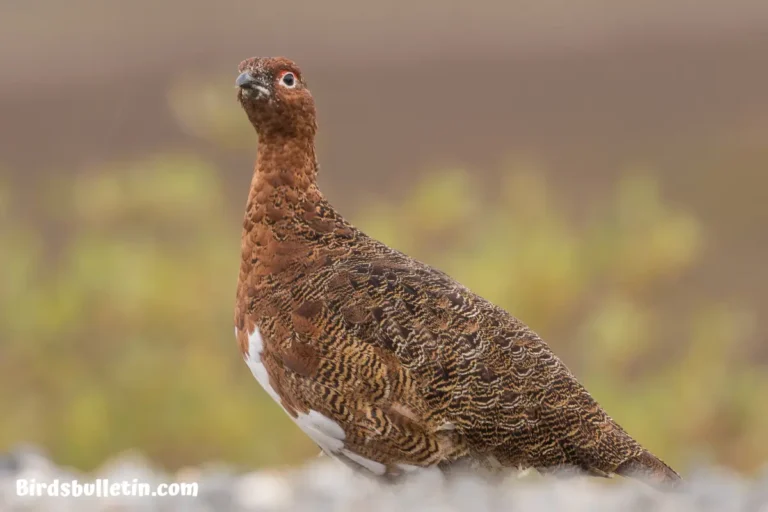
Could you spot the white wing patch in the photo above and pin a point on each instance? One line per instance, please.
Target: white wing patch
(321, 429)
(253, 360)
(377, 468)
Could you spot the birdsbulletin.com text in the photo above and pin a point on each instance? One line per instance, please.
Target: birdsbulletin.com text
(102, 488)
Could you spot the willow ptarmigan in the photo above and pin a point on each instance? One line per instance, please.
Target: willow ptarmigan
(387, 363)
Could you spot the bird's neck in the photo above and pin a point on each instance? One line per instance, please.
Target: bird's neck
(284, 178)
(282, 204)
(286, 161)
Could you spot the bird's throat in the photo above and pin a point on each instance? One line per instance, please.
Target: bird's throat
(284, 180)
(283, 196)
(286, 162)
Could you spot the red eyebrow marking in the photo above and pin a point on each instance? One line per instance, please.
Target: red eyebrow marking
(284, 72)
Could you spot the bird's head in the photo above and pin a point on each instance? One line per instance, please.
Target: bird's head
(275, 97)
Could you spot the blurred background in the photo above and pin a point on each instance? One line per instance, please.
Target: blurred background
(597, 168)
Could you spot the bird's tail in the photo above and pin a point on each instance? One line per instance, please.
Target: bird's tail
(649, 468)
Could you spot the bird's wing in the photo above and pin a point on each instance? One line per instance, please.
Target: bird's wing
(421, 371)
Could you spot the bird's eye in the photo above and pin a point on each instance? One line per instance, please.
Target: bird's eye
(288, 79)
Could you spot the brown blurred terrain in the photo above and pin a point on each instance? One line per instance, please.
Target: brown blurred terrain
(584, 92)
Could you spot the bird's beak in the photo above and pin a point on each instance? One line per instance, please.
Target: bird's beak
(245, 80)
(252, 85)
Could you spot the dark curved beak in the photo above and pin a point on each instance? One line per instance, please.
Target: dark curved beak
(245, 80)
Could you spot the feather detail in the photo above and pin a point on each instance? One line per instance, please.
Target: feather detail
(387, 363)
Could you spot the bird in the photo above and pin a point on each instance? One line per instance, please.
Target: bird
(388, 364)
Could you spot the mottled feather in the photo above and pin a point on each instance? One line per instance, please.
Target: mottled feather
(416, 369)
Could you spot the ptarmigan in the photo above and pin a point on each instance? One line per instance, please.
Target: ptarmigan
(387, 363)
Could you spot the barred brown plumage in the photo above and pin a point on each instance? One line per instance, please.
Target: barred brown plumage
(386, 362)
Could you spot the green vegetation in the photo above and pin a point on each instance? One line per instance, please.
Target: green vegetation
(116, 313)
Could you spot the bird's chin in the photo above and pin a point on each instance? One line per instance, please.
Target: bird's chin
(254, 93)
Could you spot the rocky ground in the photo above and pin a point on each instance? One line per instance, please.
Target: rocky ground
(328, 486)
